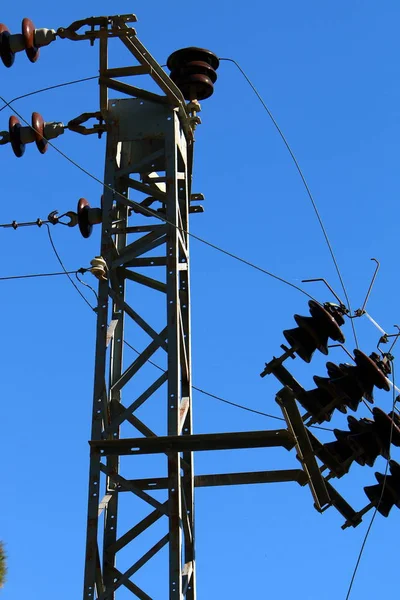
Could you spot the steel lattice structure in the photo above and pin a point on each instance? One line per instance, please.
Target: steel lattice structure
(144, 135)
(150, 154)
(149, 157)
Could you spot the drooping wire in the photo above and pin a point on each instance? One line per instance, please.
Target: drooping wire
(161, 217)
(65, 270)
(382, 492)
(252, 410)
(235, 404)
(302, 176)
(152, 362)
(149, 360)
(51, 87)
(88, 286)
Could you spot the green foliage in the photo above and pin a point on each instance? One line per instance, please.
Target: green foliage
(3, 568)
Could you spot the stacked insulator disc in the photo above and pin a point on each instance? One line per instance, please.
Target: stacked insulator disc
(193, 71)
(15, 132)
(7, 52)
(28, 31)
(14, 128)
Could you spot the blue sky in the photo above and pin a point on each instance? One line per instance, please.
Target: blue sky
(329, 74)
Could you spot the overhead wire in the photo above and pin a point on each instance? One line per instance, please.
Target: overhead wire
(87, 285)
(200, 390)
(137, 351)
(202, 240)
(235, 404)
(65, 270)
(381, 495)
(32, 275)
(158, 215)
(51, 87)
(307, 187)
(214, 246)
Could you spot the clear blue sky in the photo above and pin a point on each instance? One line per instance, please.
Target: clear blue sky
(329, 73)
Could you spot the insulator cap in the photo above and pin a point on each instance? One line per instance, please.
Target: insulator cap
(365, 440)
(386, 493)
(6, 54)
(344, 387)
(38, 129)
(14, 128)
(313, 332)
(193, 71)
(85, 227)
(28, 32)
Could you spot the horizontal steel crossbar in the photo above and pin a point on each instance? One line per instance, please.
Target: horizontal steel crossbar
(197, 442)
(219, 479)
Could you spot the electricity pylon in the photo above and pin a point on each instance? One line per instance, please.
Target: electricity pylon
(144, 217)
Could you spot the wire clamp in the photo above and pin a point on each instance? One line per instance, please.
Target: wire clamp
(108, 24)
(76, 124)
(54, 218)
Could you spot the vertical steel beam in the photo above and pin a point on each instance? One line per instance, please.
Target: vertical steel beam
(147, 151)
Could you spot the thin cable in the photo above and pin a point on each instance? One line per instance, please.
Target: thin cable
(252, 410)
(37, 275)
(381, 496)
(51, 87)
(279, 130)
(88, 286)
(65, 270)
(150, 361)
(162, 218)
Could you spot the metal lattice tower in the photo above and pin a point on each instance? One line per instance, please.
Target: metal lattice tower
(145, 135)
(149, 157)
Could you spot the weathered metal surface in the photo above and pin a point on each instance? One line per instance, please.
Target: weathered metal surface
(135, 120)
(196, 442)
(286, 400)
(220, 479)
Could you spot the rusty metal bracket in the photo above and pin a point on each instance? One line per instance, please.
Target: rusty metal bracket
(107, 24)
(76, 124)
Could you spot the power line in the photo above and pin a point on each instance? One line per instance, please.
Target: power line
(381, 496)
(252, 410)
(51, 87)
(65, 270)
(314, 205)
(149, 360)
(37, 275)
(235, 404)
(157, 215)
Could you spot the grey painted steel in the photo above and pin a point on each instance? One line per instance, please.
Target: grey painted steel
(141, 130)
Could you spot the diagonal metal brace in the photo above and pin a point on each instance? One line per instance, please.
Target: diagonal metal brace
(287, 401)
